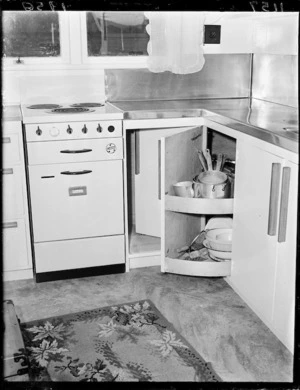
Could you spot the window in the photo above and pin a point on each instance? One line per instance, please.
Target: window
(31, 34)
(116, 34)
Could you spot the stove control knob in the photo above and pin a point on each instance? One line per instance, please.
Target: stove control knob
(54, 131)
(39, 131)
(99, 129)
(111, 128)
(84, 129)
(69, 130)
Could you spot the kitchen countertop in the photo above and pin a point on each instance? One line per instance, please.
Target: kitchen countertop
(261, 119)
(11, 113)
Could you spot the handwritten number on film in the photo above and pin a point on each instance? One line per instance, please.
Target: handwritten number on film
(265, 6)
(41, 6)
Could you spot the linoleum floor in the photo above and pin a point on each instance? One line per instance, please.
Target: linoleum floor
(206, 311)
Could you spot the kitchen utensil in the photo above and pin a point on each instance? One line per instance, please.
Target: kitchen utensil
(202, 160)
(212, 177)
(212, 257)
(223, 255)
(223, 162)
(208, 159)
(219, 223)
(223, 243)
(219, 161)
(211, 191)
(184, 189)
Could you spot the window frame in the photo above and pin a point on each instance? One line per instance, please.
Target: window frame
(9, 63)
(112, 62)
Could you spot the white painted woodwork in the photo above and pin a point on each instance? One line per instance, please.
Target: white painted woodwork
(11, 148)
(17, 257)
(15, 245)
(254, 251)
(17, 274)
(141, 260)
(82, 253)
(59, 215)
(284, 296)
(147, 202)
(13, 195)
(198, 205)
(51, 152)
(263, 270)
(208, 268)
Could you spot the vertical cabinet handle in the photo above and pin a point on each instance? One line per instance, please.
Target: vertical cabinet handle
(159, 169)
(7, 171)
(274, 199)
(284, 203)
(9, 225)
(137, 152)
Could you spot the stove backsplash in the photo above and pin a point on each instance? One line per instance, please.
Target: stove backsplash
(223, 76)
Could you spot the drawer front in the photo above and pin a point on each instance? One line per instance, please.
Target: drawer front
(73, 130)
(74, 254)
(13, 194)
(75, 151)
(66, 205)
(15, 251)
(11, 148)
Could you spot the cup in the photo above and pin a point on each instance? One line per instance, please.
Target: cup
(184, 189)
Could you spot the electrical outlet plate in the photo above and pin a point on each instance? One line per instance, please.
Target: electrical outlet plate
(212, 34)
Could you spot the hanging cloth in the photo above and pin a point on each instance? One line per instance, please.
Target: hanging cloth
(176, 42)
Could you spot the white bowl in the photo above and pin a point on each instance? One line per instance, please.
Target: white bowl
(219, 239)
(223, 236)
(220, 254)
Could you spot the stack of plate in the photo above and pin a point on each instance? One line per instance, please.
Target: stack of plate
(218, 242)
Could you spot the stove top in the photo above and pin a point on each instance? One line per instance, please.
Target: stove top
(52, 112)
(43, 106)
(70, 110)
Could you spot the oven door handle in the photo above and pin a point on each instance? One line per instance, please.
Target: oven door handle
(76, 151)
(76, 172)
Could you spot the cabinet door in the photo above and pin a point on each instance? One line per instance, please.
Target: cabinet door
(254, 250)
(284, 299)
(146, 187)
(15, 250)
(13, 196)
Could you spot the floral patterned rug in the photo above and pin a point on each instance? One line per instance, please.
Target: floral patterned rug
(128, 342)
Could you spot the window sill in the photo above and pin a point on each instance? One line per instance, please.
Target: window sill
(89, 63)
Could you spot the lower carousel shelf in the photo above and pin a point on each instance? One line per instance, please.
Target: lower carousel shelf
(209, 268)
(198, 205)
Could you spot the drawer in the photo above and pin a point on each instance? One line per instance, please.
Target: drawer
(56, 152)
(15, 250)
(13, 192)
(76, 254)
(11, 148)
(70, 201)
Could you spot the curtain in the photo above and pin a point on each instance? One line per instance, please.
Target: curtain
(176, 41)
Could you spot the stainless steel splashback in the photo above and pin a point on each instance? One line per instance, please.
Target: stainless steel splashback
(275, 78)
(223, 76)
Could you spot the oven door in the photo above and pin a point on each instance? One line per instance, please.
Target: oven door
(76, 200)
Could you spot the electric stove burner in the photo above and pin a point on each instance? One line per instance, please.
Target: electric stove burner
(70, 110)
(43, 106)
(87, 105)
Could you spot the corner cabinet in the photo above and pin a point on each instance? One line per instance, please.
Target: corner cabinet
(182, 219)
(264, 245)
(17, 258)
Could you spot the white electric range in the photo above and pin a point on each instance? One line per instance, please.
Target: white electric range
(75, 175)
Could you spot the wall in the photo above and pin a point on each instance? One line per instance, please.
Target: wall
(240, 33)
